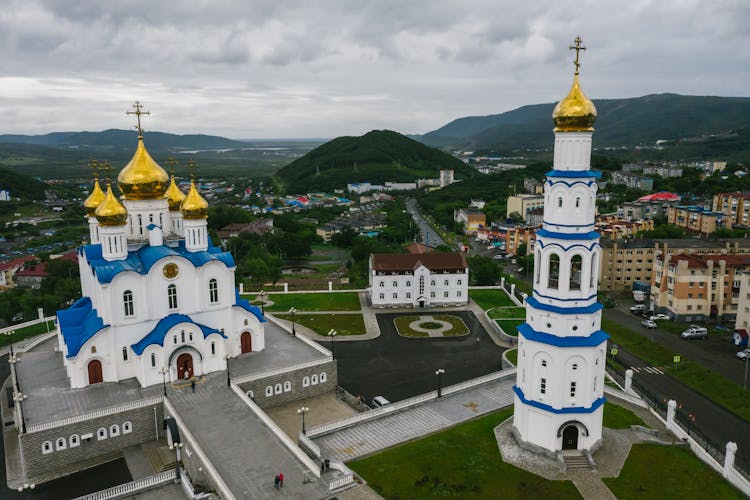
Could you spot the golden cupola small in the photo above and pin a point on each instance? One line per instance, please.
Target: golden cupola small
(174, 196)
(94, 199)
(110, 211)
(194, 206)
(576, 112)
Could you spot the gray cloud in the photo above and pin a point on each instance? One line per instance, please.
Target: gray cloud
(332, 67)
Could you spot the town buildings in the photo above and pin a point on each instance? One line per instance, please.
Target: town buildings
(735, 206)
(698, 220)
(521, 203)
(258, 227)
(471, 219)
(632, 180)
(418, 280)
(446, 178)
(648, 207)
(8, 270)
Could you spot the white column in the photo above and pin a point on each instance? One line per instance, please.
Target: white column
(671, 409)
(286, 287)
(330, 286)
(729, 457)
(628, 379)
(242, 288)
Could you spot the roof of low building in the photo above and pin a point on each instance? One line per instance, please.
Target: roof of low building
(432, 261)
(694, 260)
(20, 261)
(418, 248)
(660, 196)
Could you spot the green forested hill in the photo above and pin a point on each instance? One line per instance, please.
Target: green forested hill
(378, 156)
(21, 186)
(683, 120)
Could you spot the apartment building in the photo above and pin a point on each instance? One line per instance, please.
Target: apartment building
(698, 220)
(522, 203)
(633, 181)
(735, 206)
(471, 219)
(698, 287)
(517, 236)
(648, 207)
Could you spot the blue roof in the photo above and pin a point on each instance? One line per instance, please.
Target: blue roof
(596, 306)
(569, 409)
(245, 304)
(156, 336)
(151, 226)
(78, 324)
(592, 340)
(141, 260)
(574, 173)
(591, 235)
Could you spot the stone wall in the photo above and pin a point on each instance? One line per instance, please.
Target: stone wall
(40, 467)
(293, 385)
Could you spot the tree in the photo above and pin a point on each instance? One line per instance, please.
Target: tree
(483, 271)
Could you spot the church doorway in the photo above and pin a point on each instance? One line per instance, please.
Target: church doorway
(570, 438)
(95, 371)
(246, 342)
(184, 366)
(421, 304)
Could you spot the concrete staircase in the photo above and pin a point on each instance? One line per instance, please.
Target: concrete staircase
(576, 461)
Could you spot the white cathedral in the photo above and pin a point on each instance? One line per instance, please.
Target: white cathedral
(158, 299)
(558, 401)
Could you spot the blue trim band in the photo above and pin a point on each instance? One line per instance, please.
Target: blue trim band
(574, 174)
(590, 248)
(563, 300)
(593, 340)
(568, 225)
(570, 184)
(591, 235)
(595, 307)
(571, 409)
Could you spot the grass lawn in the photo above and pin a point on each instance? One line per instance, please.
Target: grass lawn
(507, 312)
(459, 327)
(461, 462)
(617, 417)
(344, 324)
(487, 299)
(655, 471)
(26, 332)
(314, 301)
(509, 325)
(403, 323)
(512, 356)
(710, 384)
(520, 285)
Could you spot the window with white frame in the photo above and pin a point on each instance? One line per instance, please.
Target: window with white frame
(445, 294)
(314, 380)
(445, 282)
(408, 295)
(172, 296)
(74, 441)
(432, 295)
(213, 291)
(382, 284)
(61, 444)
(269, 391)
(101, 434)
(395, 283)
(277, 389)
(408, 283)
(114, 430)
(323, 377)
(305, 381)
(395, 295)
(382, 295)
(153, 360)
(127, 302)
(47, 447)
(124, 353)
(127, 427)
(287, 386)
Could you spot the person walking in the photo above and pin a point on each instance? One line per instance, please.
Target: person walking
(276, 482)
(192, 384)
(281, 479)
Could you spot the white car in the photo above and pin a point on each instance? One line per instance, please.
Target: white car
(648, 323)
(744, 354)
(659, 316)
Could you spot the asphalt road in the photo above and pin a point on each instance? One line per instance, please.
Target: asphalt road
(398, 368)
(429, 235)
(82, 483)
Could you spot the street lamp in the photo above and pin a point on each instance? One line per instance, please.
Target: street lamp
(302, 412)
(18, 398)
(164, 372)
(26, 486)
(176, 447)
(439, 372)
(229, 380)
(262, 296)
(10, 334)
(332, 333)
(292, 311)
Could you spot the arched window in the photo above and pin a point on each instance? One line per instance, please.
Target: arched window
(124, 353)
(395, 283)
(554, 271)
(127, 427)
(574, 367)
(305, 381)
(287, 386)
(559, 202)
(213, 348)
(213, 291)
(75, 441)
(576, 264)
(153, 360)
(172, 296)
(101, 434)
(544, 362)
(323, 377)
(93, 349)
(114, 430)
(594, 257)
(537, 265)
(578, 201)
(127, 302)
(269, 391)
(277, 389)
(314, 380)
(46, 447)
(61, 444)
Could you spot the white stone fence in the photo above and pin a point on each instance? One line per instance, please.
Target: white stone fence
(132, 487)
(344, 480)
(18, 326)
(94, 414)
(270, 373)
(300, 336)
(406, 403)
(286, 290)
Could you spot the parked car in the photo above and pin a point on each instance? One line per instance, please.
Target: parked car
(744, 354)
(638, 309)
(659, 316)
(695, 332)
(379, 402)
(649, 323)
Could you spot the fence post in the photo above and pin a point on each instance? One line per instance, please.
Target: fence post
(512, 288)
(671, 409)
(242, 288)
(286, 287)
(502, 281)
(729, 458)
(628, 379)
(330, 286)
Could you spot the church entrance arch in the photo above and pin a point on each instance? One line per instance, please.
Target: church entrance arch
(246, 342)
(95, 371)
(570, 437)
(185, 365)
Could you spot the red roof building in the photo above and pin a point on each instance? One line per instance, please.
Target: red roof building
(661, 196)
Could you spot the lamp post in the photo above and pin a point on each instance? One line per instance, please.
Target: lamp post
(292, 311)
(164, 370)
(176, 447)
(262, 296)
(18, 398)
(302, 412)
(10, 333)
(439, 372)
(332, 333)
(229, 379)
(746, 360)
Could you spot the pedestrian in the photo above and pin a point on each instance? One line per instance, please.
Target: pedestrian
(192, 384)
(322, 466)
(328, 464)
(276, 482)
(281, 479)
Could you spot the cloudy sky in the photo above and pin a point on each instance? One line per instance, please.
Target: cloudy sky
(323, 68)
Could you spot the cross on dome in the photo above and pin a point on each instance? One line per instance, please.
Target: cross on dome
(138, 106)
(578, 48)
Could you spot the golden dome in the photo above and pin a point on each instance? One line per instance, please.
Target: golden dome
(175, 196)
(194, 206)
(575, 113)
(94, 200)
(142, 178)
(111, 212)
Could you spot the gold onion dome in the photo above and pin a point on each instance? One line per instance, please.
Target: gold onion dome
(94, 200)
(111, 212)
(175, 196)
(142, 178)
(575, 113)
(194, 206)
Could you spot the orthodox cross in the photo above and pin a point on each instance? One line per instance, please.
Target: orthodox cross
(94, 164)
(138, 106)
(172, 164)
(191, 167)
(105, 167)
(578, 48)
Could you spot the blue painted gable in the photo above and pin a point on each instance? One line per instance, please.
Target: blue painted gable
(245, 304)
(78, 324)
(141, 260)
(156, 336)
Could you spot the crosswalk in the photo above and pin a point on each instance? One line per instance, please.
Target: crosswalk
(647, 369)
